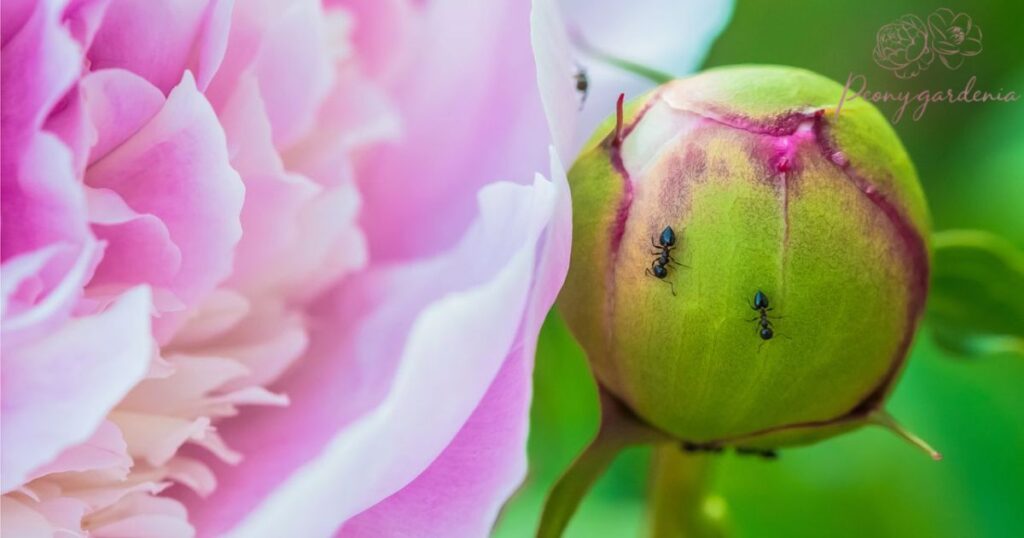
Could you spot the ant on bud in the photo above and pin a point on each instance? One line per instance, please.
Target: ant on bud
(659, 266)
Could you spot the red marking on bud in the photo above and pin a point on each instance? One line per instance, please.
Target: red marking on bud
(617, 141)
(784, 157)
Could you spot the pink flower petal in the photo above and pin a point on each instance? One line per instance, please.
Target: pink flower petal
(293, 70)
(17, 518)
(119, 103)
(468, 120)
(176, 168)
(156, 438)
(284, 45)
(13, 15)
(222, 310)
(555, 72)
(191, 36)
(149, 516)
(386, 384)
(82, 18)
(58, 389)
(105, 449)
(49, 303)
(266, 343)
(70, 122)
(355, 115)
(382, 34)
(300, 236)
(37, 66)
(139, 247)
(42, 201)
(461, 492)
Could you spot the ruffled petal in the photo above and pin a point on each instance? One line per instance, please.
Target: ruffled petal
(358, 400)
(42, 200)
(192, 35)
(383, 32)
(37, 66)
(176, 169)
(294, 70)
(467, 120)
(58, 389)
(119, 103)
(461, 492)
(105, 449)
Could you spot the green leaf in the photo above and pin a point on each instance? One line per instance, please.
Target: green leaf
(976, 306)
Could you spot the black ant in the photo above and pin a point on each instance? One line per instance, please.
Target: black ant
(582, 83)
(761, 306)
(659, 266)
(765, 330)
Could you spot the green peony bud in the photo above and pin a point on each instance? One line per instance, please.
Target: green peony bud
(767, 187)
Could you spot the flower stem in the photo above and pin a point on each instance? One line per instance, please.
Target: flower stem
(568, 492)
(679, 506)
(619, 429)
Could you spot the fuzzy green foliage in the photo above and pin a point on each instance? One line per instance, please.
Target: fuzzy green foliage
(977, 303)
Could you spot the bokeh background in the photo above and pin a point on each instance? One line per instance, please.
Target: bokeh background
(970, 158)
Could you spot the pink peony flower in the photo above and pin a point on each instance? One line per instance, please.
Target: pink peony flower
(257, 276)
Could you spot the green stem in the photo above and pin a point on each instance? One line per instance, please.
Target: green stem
(619, 429)
(651, 74)
(568, 492)
(678, 503)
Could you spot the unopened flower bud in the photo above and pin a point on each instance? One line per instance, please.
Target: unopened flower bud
(749, 266)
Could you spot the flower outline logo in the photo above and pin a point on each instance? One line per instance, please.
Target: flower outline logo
(953, 36)
(902, 47)
(908, 45)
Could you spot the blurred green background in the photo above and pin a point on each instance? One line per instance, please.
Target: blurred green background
(970, 158)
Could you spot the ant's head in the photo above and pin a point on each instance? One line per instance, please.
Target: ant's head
(668, 237)
(760, 300)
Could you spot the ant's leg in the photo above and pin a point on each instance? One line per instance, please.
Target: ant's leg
(648, 272)
(672, 287)
(653, 244)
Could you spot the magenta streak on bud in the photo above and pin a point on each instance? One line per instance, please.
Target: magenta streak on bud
(615, 153)
(614, 148)
(916, 253)
(784, 159)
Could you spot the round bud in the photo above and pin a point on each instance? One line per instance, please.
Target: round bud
(749, 264)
